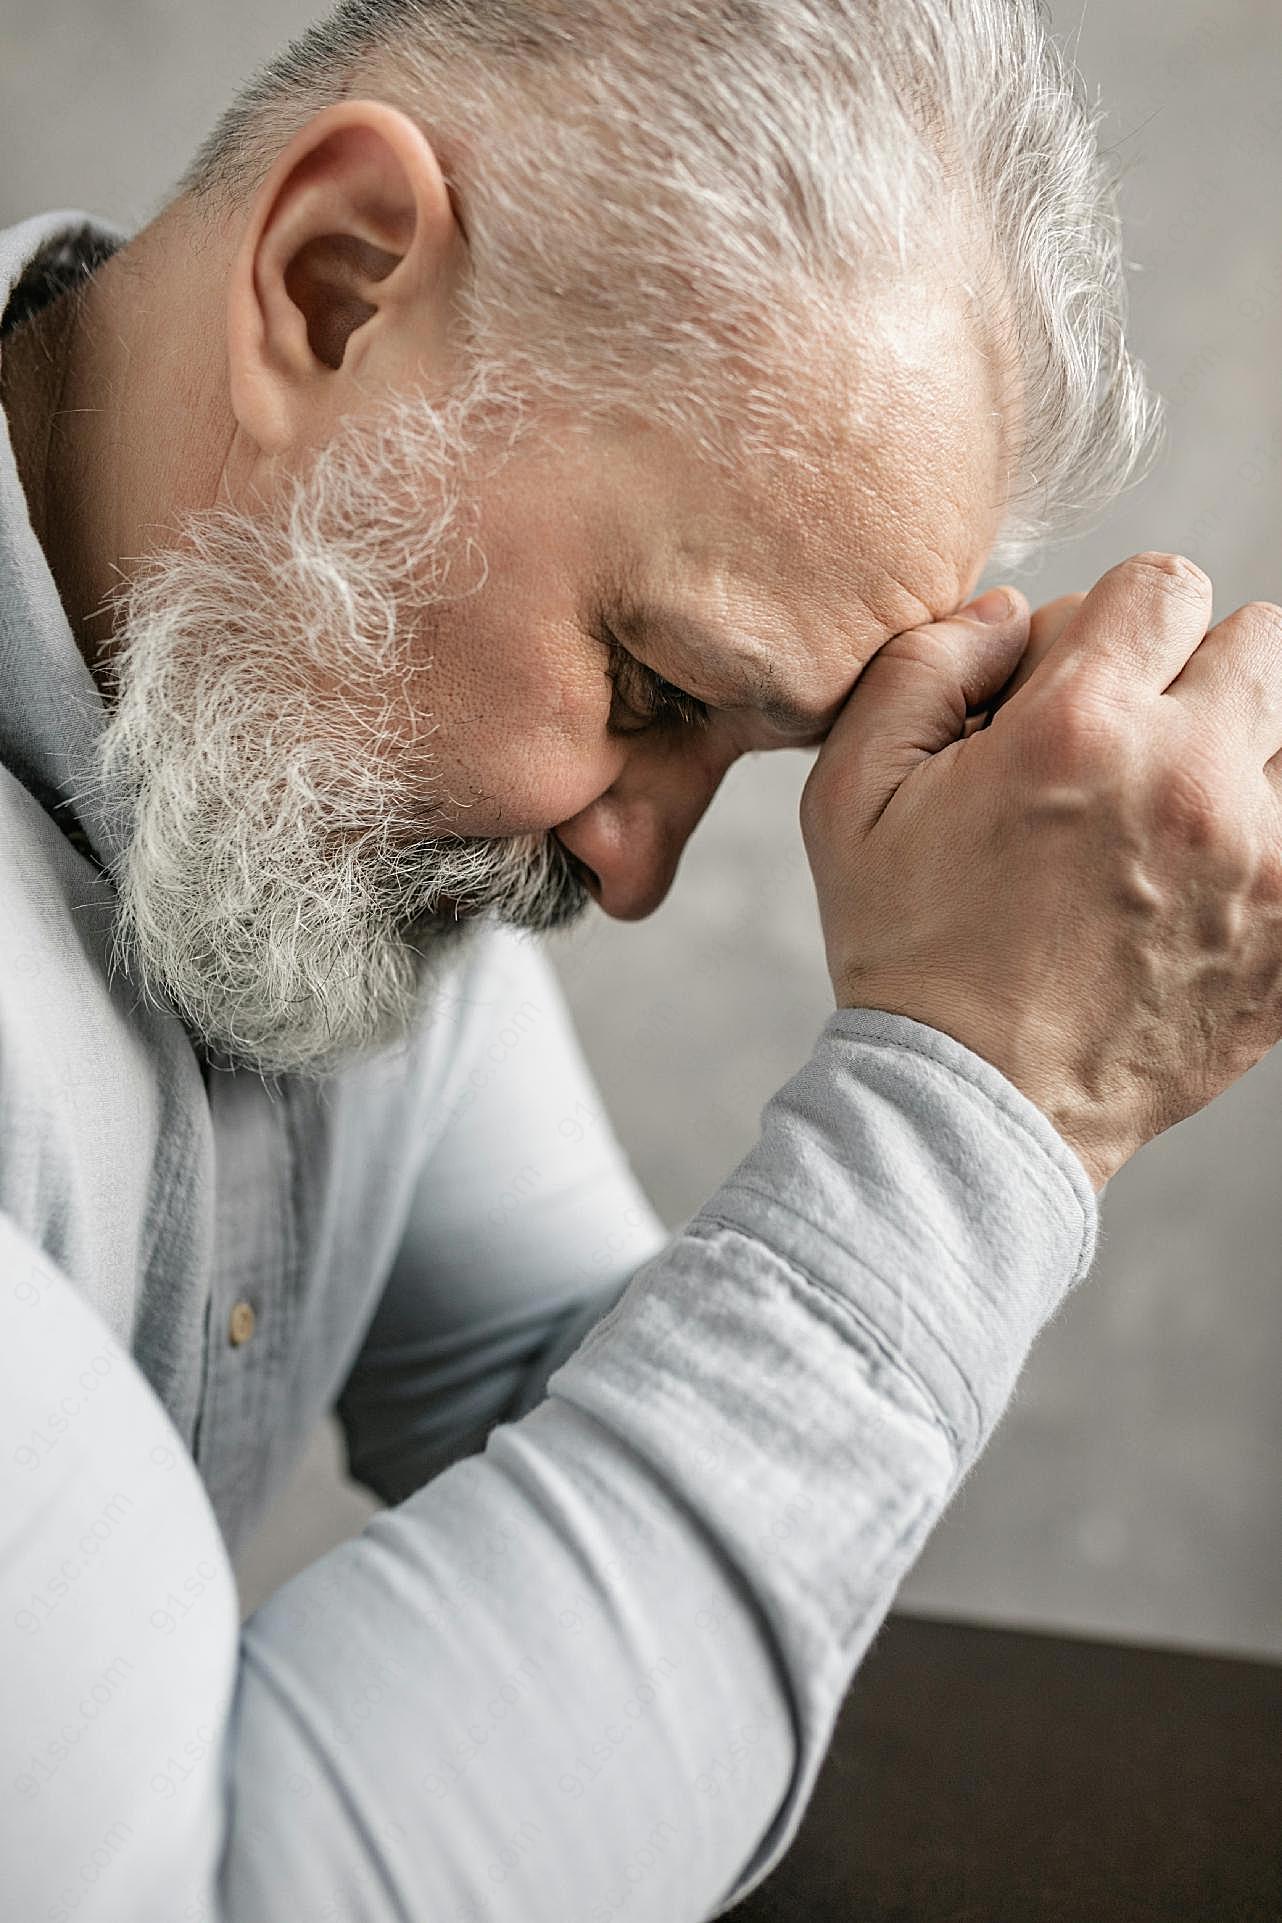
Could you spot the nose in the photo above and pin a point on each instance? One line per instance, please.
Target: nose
(632, 836)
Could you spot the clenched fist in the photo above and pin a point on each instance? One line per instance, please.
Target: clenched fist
(1086, 889)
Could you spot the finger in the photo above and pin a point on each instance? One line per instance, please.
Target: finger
(1137, 627)
(912, 698)
(1044, 629)
(1047, 624)
(1236, 677)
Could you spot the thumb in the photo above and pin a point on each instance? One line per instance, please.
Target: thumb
(913, 697)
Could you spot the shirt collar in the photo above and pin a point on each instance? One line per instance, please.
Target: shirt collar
(52, 715)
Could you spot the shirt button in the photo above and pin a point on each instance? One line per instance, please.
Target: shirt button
(242, 1324)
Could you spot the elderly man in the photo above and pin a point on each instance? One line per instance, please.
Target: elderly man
(521, 411)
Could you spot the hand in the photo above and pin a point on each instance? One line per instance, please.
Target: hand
(1087, 891)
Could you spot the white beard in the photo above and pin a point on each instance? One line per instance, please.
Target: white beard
(278, 889)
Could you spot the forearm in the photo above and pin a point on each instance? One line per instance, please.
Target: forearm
(416, 1408)
(605, 1657)
(827, 1350)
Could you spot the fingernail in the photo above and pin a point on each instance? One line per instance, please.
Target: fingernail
(993, 606)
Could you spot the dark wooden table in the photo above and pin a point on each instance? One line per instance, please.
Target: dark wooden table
(987, 1776)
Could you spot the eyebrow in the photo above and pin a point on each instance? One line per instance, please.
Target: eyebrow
(792, 717)
(757, 681)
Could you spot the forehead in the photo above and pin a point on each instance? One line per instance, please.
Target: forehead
(884, 522)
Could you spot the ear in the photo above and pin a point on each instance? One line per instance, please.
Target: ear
(345, 276)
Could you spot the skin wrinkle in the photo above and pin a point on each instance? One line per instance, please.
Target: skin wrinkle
(346, 665)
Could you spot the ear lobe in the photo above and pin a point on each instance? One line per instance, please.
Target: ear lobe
(346, 257)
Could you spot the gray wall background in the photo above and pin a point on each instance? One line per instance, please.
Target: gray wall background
(1133, 1488)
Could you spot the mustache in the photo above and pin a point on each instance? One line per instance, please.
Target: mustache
(529, 882)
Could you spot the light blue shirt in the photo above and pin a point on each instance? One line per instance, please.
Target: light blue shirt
(651, 1495)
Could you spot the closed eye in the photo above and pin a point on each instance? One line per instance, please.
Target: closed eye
(642, 698)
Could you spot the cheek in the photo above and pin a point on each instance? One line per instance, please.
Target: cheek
(519, 742)
(517, 783)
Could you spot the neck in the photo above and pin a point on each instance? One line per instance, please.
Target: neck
(116, 413)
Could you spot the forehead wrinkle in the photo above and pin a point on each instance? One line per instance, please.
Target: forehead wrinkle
(826, 562)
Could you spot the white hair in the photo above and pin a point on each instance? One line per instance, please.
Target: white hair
(278, 886)
(656, 192)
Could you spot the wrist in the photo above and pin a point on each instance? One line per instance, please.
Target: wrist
(1077, 1121)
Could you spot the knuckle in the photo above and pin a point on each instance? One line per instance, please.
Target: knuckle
(1079, 729)
(1172, 574)
(1193, 807)
(1267, 888)
(1263, 615)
